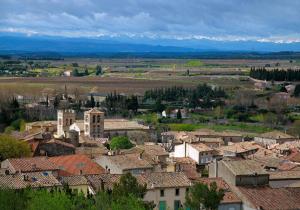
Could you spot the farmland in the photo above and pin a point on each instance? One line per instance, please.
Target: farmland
(133, 75)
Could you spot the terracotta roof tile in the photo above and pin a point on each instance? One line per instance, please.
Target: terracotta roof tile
(272, 198)
(74, 180)
(33, 180)
(32, 164)
(76, 164)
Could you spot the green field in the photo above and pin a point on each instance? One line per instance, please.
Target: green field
(243, 127)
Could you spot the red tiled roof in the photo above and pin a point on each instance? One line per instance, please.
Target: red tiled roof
(32, 164)
(272, 198)
(76, 165)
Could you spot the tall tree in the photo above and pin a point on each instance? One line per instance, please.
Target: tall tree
(98, 70)
(128, 185)
(201, 195)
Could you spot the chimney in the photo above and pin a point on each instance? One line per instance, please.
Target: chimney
(33, 166)
(80, 172)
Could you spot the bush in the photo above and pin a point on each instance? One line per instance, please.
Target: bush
(120, 142)
(12, 148)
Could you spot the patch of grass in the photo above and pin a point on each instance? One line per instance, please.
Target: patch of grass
(235, 127)
(194, 63)
(257, 118)
(150, 118)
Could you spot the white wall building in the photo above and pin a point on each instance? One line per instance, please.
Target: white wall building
(199, 152)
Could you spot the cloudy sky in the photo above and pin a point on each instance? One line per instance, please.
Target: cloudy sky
(262, 20)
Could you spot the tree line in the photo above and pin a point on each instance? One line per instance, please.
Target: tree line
(275, 74)
(202, 96)
(117, 103)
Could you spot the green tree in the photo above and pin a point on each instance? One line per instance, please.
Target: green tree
(12, 148)
(98, 70)
(75, 72)
(44, 200)
(201, 195)
(102, 200)
(129, 203)
(297, 90)
(93, 103)
(159, 107)
(120, 142)
(12, 199)
(295, 128)
(128, 185)
(179, 116)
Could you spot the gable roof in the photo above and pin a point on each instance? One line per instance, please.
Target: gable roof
(277, 135)
(94, 111)
(32, 164)
(76, 165)
(244, 167)
(165, 180)
(74, 180)
(128, 161)
(33, 180)
(272, 198)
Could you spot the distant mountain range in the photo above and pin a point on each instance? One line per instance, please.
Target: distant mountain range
(62, 45)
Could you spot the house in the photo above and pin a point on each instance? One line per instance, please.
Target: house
(212, 142)
(67, 73)
(226, 136)
(279, 179)
(155, 154)
(241, 149)
(124, 163)
(166, 189)
(199, 152)
(53, 147)
(267, 198)
(26, 165)
(274, 137)
(101, 182)
(230, 200)
(239, 172)
(44, 126)
(185, 165)
(31, 179)
(75, 165)
(77, 183)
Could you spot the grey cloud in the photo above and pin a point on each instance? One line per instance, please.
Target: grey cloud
(216, 19)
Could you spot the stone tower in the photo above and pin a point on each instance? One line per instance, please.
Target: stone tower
(94, 123)
(65, 118)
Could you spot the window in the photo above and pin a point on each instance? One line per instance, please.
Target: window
(177, 204)
(71, 121)
(177, 191)
(162, 193)
(187, 190)
(162, 205)
(98, 118)
(86, 118)
(94, 119)
(67, 121)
